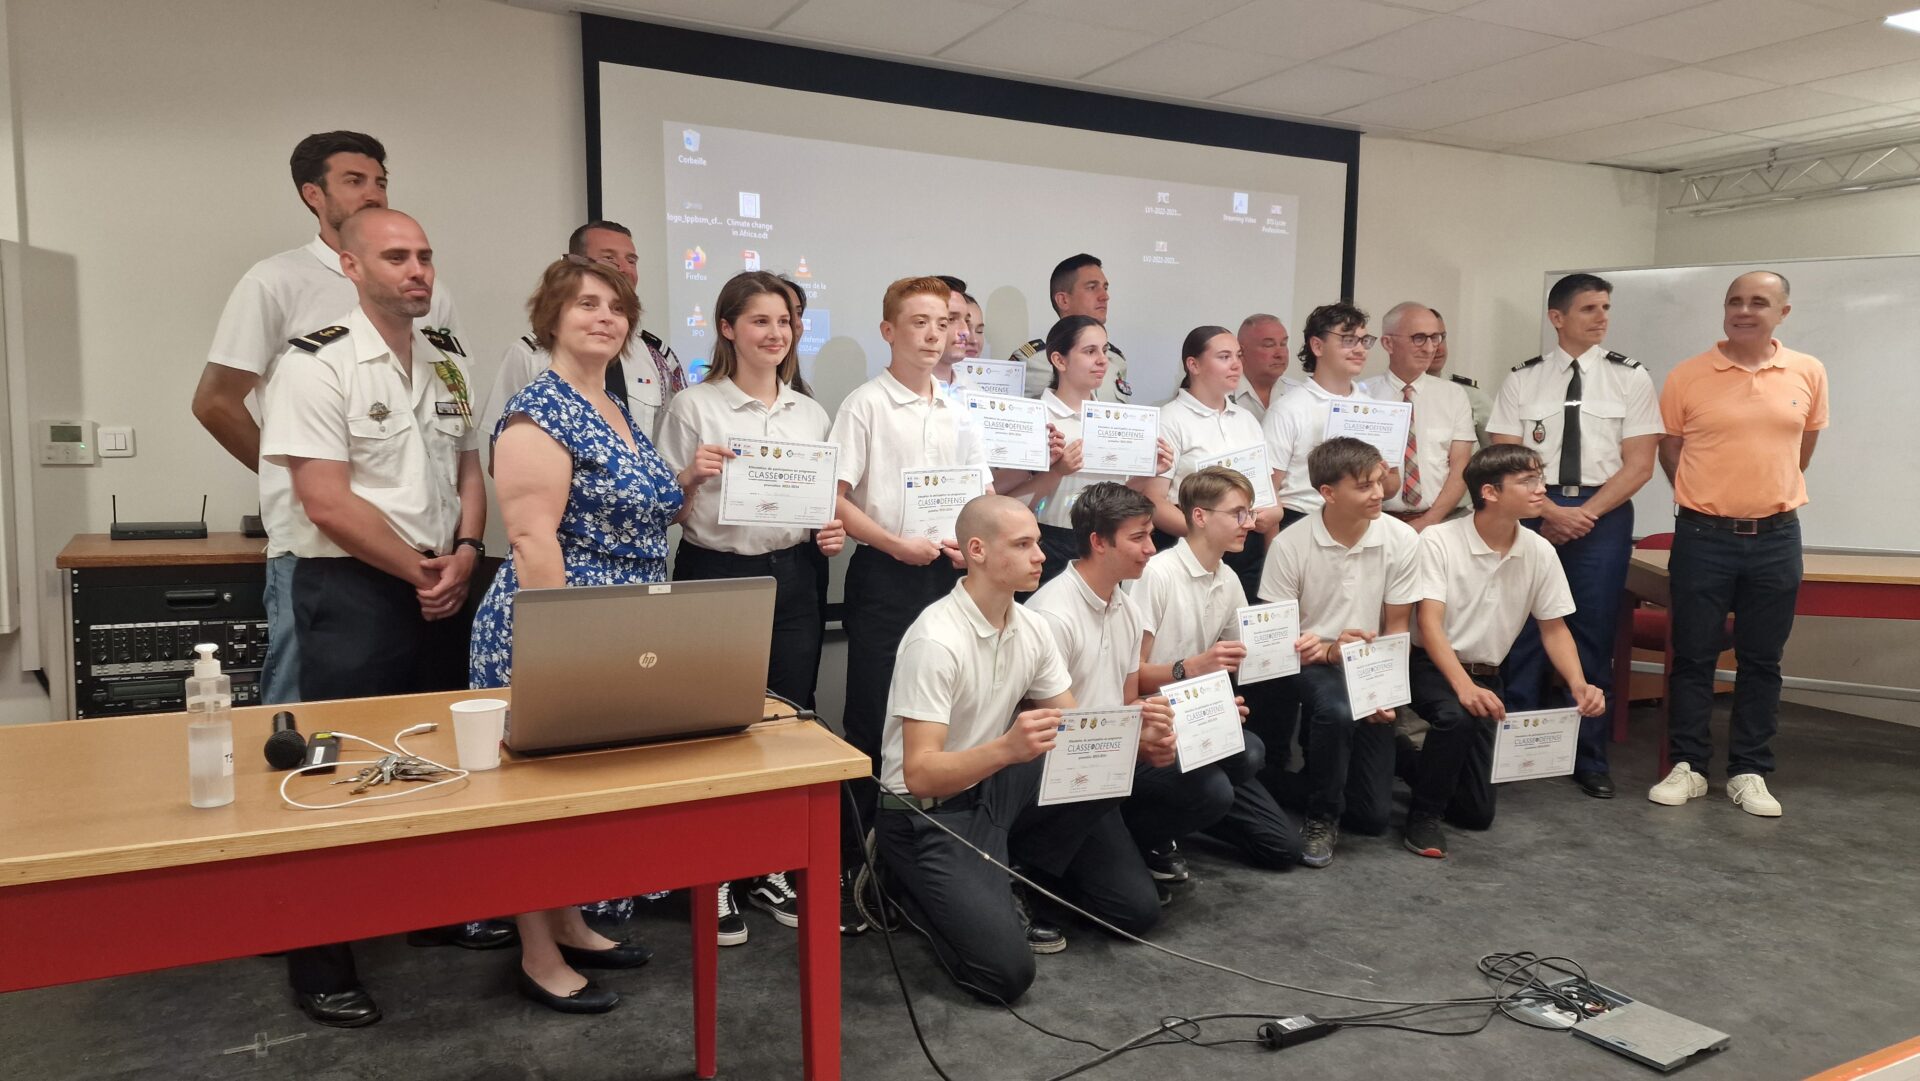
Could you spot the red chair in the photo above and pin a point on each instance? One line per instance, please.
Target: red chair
(1647, 627)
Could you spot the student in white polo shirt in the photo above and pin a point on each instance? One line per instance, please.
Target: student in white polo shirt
(1099, 628)
(960, 750)
(1440, 439)
(1333, 354)
(1355, 575)
(1481, 577)
(1191, 600)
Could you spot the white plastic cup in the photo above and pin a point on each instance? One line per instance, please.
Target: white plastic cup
(479, 724)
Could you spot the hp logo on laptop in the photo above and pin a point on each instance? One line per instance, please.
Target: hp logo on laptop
(649, 659)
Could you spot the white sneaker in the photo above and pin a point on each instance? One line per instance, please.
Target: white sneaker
(1681, 785)
(1748, 791)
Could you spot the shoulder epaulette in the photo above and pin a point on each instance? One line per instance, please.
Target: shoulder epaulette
(1030, 349)
(1526, 364)
(312, 342)
(1464, 381)
(1622, 358)
(1115, 351)
(531, 344)
(652, 340)
(443, 340)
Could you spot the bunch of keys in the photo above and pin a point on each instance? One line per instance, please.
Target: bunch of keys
(392, 768)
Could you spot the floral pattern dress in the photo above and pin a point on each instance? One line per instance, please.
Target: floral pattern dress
(614, 529)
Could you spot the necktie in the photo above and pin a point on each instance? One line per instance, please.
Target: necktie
(1570, 432)
(1410, 472)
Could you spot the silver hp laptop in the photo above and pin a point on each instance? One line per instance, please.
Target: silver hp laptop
(596, 666)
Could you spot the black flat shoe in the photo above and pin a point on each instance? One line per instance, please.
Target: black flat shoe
(1597, 785)
(624, 955)
(480, 935)
(352, 1008)
(589, 999)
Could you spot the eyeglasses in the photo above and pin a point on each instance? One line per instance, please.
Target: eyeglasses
(1529, 480)
(1242, 516)
(1421, 341)
(1348, 341)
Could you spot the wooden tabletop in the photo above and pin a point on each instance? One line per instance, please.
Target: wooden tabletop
(101, 550)
(1899, 570)
(82, 798)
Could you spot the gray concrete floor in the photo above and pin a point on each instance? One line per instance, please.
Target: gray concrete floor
(1799, 936)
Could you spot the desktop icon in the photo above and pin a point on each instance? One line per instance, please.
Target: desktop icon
(749, 204)
(695, 258)
(1239, 202)
(690, 139)
(750, 259)
(696, 320)
(801, 270)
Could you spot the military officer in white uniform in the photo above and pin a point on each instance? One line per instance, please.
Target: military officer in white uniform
(1477, 398)
(1078, 287)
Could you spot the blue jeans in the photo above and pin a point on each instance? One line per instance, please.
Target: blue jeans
(1596, 567)
(1757, 579)
(280, 672)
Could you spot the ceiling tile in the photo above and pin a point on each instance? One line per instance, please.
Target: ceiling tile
(1187, 69)
(1567, 68)
(759, 14)
(1572, 18)
(1893, 83)
(1316, 90)
(1431, 106)
(1835, 124)
(1820, 56)
(1439, 7)
(1148, 16)
(1441, 47)
(1615, 141)
(1302, 29)
(1722, 27)
(913, 27)
(1038, 45)
(1689, 153)
(1630, 100)
(1758, 110)
(1866, 9)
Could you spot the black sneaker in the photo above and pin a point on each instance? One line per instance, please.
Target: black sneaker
(852, 922)
(733, 926)
(1322, 835)
(1042, 936)
(1423, 837)
(1165, 863)
(774, 895)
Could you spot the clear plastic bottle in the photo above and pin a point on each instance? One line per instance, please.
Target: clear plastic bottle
(209, 731)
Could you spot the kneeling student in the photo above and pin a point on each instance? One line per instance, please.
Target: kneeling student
(1480, 578)
(950, 758)
(1355, 574)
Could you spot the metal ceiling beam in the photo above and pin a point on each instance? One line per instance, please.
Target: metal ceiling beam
(1841, 171)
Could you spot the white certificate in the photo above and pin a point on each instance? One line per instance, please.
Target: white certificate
(1384, 424)
(1006, 377)
(1014, 430)
(1206, 720)
(1122, 439)
(1377, 673)
(1536, 744)
(1092, 757)
(934, 498)
(778, 482)
(1268, 631)
(1251, 463)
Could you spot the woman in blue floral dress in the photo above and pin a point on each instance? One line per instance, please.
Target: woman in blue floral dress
(587, 501)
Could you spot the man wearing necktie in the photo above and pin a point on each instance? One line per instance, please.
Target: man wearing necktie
(1440, 435)
(1592, 416)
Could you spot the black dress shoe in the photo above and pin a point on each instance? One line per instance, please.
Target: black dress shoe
(589, 999)
(1597, 785)
(351, 1008)
(623, 955)
(479, 935)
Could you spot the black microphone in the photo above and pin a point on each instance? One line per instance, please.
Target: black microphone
(285, 749)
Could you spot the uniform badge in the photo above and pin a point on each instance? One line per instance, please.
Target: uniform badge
(448, 409)
(378, 412)
(1125, 388)
(1539, 432)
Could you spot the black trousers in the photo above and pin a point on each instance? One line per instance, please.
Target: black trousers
(363, 630)
(1455, 772)
(1167, 805)
(966, 904)
(1254, 822)
(882, 599)
(793, 665)
(1348, 776)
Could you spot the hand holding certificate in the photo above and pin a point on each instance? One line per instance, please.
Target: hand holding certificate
(1004, 377)
(1206, 719)
(1092, 756)
(1377, 673)
(1251, 463)
(1014, 430)
(1383, 424)
(934, 499)
(1535, 744)
(1122, 439)
(778, 482)
(1269, 632)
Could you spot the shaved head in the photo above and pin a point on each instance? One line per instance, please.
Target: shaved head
(364, 230)
(988, 518)
(386, 255)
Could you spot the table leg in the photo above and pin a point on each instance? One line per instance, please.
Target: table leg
(820, 937)
(706, 978)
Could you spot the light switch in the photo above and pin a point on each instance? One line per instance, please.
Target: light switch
(116, 442)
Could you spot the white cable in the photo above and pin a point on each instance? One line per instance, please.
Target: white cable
(407, 790)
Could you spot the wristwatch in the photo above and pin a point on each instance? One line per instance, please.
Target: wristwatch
(479, 547)
(1179, 670)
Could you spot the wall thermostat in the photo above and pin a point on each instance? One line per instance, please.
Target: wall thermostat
(67, 442)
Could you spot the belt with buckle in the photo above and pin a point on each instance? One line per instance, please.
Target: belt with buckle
(891, 802)
(1480, 668)
(1740, 527)
(1574, 491)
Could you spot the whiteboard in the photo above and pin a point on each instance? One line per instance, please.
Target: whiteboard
(1859, 317)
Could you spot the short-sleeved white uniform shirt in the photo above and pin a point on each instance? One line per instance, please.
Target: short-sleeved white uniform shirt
(1489, 595)
(1098, 640)
(1185, 606)
(1340, 588)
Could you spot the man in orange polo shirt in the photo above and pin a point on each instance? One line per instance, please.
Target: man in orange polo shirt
(1741, 420)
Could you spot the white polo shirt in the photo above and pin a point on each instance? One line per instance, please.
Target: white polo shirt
(281, 297)
(1056, 508)
(713, 411)
(1098, 640)
(1198, 432)
(1294, 426)
(1488, 595)
(1442, 416)
(1246, 399)
(649, 378)
(1616, 402)
(954, 669)
(349, 402)
(1340, 588)
(884, 429)
(1186, 607)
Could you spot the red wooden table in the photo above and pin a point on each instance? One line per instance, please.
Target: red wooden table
(110, 827)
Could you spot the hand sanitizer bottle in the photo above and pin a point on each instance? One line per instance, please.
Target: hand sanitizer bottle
(209, 731)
